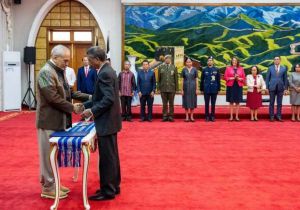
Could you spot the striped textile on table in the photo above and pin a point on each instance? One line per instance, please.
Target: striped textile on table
(69, 148)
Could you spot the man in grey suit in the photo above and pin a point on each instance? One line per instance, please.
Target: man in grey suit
(277, 85)
(105, 109)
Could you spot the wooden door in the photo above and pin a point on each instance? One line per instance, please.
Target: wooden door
(79, 51)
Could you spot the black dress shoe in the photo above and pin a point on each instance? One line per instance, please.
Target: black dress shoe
(212, 118)
(164, 120)
(171, 119)
(141, 120)
(101, 197)
(279, 119)
(118, 191)
(272, 119)
(206, 119)
(129, 119)
(149, 120)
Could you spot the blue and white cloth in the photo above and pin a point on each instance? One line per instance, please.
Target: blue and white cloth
(69, 148)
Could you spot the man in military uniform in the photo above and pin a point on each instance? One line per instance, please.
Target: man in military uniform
(168, 85)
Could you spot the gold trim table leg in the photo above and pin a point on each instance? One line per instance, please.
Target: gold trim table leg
(75, 175)
(86, 155)
(54, 166)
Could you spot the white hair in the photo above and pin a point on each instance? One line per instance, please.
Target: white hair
(127, 62)
(59, 50)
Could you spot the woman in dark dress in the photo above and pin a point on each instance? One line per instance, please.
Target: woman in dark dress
(189, 90)
(235, 79)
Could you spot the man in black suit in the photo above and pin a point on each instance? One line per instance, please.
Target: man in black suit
(105, 109)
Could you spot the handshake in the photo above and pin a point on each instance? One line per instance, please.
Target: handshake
(79, 108)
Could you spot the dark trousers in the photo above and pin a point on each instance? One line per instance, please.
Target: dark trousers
(278, 95)
(109, 164)
(168, 100)
(149, 100)
(210, 97)
(126, 106)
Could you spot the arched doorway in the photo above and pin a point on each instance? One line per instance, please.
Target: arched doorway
(66, 17)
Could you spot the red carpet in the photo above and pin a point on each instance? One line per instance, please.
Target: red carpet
(205, 166)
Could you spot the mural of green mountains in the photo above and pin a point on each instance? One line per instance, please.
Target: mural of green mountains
(254, 40)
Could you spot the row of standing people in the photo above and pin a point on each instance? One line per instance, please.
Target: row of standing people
(276, 85)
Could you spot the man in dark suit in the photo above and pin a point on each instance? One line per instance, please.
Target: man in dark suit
(86, 77)
(105, 109)
(277, 85)
(146, 85)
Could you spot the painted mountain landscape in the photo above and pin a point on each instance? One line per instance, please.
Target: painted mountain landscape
(254, 34)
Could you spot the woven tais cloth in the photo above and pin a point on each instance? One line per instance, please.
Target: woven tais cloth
(69, 148)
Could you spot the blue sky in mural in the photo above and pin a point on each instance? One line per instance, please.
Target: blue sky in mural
(155, 18)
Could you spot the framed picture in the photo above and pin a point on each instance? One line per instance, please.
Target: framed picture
(254, 33)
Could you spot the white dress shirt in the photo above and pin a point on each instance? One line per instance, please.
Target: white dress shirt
(71, 76)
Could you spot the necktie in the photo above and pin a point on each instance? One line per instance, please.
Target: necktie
(86, 71)
(277, 69)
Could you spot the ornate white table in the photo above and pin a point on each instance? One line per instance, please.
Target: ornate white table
(86, 143)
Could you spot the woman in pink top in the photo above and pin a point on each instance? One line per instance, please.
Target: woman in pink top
(235, 79)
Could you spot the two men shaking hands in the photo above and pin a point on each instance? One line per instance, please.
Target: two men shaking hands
(85, 113)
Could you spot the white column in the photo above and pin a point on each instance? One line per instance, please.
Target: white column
(135, 98)
(6, 31)
(2, 31)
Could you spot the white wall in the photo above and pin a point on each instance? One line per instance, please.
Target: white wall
(108, 11)
(22, 23)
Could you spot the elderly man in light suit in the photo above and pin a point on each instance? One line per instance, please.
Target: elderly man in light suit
(54, 109)
(277, 85)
